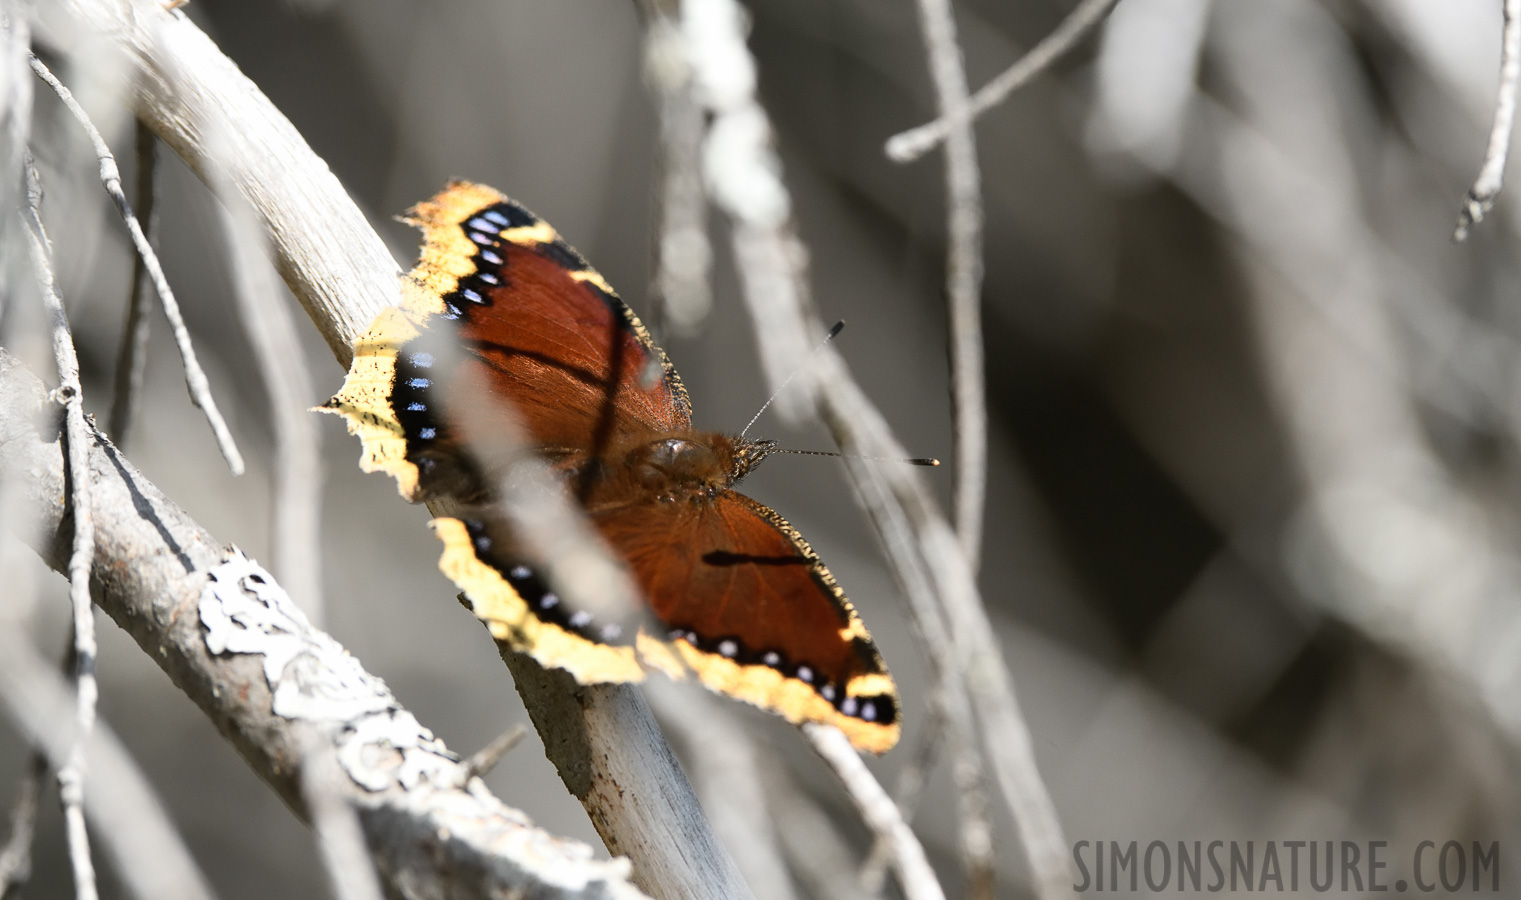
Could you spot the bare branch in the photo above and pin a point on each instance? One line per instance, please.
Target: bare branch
(131, 359)
(110, 178)
(1486, 188)
(963, 272)
(911, 780)
(175, 589)
(481, 762)
(908, 146)
(878, 811)
(71, 774)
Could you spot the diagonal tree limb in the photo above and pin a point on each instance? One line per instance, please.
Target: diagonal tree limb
(434, 835)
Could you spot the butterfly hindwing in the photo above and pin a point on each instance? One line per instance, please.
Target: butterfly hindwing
(754, 613)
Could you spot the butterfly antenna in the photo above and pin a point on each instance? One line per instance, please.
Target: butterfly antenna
(913, 461)
(833, 332)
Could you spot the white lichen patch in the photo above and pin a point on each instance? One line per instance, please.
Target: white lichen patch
(312, 678)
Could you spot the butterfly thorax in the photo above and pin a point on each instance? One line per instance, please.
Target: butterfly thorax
(670, 467)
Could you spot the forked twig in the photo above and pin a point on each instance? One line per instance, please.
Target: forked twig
(908, 146)
(71, 775)
(1486, 188)
(110, 177)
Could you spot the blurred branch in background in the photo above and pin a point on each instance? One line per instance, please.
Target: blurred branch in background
(295, 526)
(132, 358)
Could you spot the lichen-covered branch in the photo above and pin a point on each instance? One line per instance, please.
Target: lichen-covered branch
(433, 833)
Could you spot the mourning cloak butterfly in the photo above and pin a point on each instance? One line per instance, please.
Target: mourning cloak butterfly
(745, 604)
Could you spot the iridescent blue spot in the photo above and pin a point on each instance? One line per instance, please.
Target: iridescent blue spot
(869, 711)
(580, 619)
(828, 691)
(427, 434)
(519, 573)
(491, 257)
(417, 406)
(479, 224)
(497, 217)
(422, 360)
(849, 706)
(470, 295)
(549, 601)
(488, 278)
(420, 384)
(485, 240)
(805, 674)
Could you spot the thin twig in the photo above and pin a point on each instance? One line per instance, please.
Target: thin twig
(71, 775)
(911, 779)
(16, 856)
(909, 145)
(110, 177)
(1486, 188)
(877, 809)
(295, 523)
(481, 762)
(350, 870)
(963, 273)
(132, 358)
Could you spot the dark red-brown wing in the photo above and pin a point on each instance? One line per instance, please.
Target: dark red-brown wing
(499, 298)
(751, 610)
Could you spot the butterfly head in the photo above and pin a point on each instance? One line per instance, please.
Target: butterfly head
(747, 455)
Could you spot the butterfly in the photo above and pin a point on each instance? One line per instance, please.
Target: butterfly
(742, 602)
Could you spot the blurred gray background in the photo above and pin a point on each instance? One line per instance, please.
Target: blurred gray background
(1252, 518)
